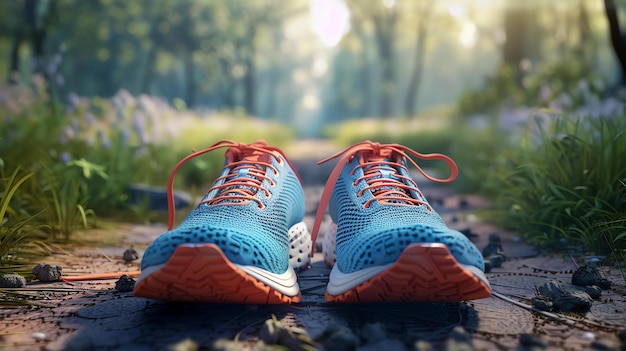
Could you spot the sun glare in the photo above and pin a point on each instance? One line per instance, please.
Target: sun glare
(456, 10)
(330, 20)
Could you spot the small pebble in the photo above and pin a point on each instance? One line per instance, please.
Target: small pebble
(463, 203)
(373, 332)
(338, 338)
(38, 336)
(541, 304)
(47, 272)
(573, 301)
(125, 284)
(586, 275)
(467, 232)
(560, 299)
(12, 281)
(594, 291)
(130, 255)
(551, 289)
(589, 336)
(602, 345)
(531, 341)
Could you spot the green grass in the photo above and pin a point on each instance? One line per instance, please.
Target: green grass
(567, 183)
(17, 228)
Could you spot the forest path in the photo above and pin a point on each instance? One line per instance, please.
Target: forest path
(92, 315)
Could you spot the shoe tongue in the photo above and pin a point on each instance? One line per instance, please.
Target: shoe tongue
(387, 172)
(254, 156)
(245, 161)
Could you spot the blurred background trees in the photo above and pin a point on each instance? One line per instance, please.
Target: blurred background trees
(99, 95)
(388, 58)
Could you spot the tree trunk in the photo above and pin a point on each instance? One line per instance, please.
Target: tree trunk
(249, 78)
(274, 77)
(410, 106)
(190, 82)
(619, 46)
(148, 74)
(515, 48)
(14, 65)
(384, 26)
(587, 46)
(364, 72)
(37, 25)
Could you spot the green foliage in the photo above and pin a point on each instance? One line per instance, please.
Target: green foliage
(567, 183)
(572, 82)
(16, 227)
(498, 89)
(481, 155)
(83, 158)
(63, 190)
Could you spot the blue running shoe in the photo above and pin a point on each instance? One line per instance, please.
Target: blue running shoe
(242, 242)
(391, 245)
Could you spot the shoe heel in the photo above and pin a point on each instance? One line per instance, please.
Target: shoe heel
(299, 246)
(329, 243)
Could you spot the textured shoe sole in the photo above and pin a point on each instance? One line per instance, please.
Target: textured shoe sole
(204, 274)
(424, 272)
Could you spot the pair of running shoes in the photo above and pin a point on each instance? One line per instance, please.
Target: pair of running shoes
(245, 240)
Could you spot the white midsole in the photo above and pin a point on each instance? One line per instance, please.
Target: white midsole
(285, 283)
(146, 272)
(340, 282)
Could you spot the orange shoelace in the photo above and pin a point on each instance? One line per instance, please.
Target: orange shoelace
(380, 163)
(247, 163)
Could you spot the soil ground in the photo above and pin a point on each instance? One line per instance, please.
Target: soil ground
(92, 315)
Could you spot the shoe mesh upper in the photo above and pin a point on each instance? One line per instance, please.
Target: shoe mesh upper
(377, 234)
(247, 234)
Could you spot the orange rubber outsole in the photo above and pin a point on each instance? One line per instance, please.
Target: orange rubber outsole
(423, 272)
(204, 274)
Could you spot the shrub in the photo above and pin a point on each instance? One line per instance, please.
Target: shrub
(17, 228)
(568, 84)
(84, 155)
(568, 183)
